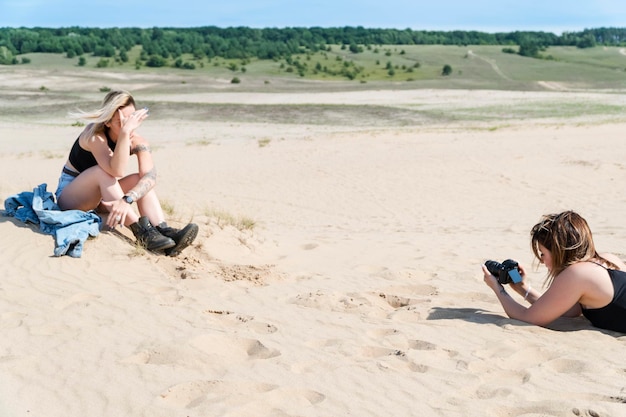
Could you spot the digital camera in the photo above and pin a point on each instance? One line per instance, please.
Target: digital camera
(506, 272)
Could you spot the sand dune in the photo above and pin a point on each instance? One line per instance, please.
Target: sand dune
(358, 291)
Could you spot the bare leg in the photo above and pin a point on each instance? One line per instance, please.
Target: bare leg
(149, 204)
(87, 190)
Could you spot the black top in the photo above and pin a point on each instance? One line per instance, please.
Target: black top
(613, 315)
(82, 159)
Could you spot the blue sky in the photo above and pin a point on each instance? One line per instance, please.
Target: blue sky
(482, 15)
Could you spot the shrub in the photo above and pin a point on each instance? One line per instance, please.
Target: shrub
(235, 80)
(156, 61)
(529, 49)
(6, 57)
(355, 49)
(447, 70)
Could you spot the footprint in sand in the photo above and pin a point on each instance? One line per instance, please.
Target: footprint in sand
(380, 333)
(376, 352)
(488, 392)
(194, 394)
(400, 352)
(166, 296)
(568, 366)
(412, 291)
(257, 275)
(11, 319)
(392, 359)
(238, 349)
(421, 345)
(297, 398)
(411, 305)
(76, 301)
(396, 301)
(181, 355)
(405, 296)
(206, 352)
(501, 383)
(372, 304)
(248, 322)
(348, 303)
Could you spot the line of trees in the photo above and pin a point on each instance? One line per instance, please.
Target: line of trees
(269, 43)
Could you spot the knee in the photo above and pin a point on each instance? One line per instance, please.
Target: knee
(104, 178)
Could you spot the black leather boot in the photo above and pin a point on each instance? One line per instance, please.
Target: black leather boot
(183, 237)
(149, 236)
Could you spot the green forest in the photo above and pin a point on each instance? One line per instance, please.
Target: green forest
(244, 42)
(191, 48)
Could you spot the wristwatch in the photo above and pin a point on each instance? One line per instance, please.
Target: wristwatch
(129, 199)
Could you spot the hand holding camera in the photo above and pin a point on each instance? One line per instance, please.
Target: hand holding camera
(506, 272)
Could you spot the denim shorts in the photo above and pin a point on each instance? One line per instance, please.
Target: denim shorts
(64, 179)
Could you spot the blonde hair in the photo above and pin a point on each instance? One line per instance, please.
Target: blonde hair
(568, 238)
(113, 101)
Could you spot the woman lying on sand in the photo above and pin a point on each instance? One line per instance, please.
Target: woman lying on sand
(94, 175)
(580, 280)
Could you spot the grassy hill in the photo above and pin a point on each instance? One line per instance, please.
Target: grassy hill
(51, 84)
(412, 66)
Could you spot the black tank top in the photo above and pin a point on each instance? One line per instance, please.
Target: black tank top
(82, 159)
(613, 315)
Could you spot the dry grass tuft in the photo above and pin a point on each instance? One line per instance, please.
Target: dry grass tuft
(224, 219)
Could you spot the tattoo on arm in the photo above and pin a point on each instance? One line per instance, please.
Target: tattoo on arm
(144, 185)
(140, 148)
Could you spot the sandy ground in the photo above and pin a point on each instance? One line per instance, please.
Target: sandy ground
(357, 293)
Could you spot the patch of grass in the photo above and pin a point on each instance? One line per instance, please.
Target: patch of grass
(137, 250)
(199, 142)
(541, 110)
(168, 208)
(475, 66)
(52, 155)
(313, 114)
(224, 219)
(264, 142)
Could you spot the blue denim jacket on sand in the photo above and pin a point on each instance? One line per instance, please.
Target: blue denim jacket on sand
(70, 228)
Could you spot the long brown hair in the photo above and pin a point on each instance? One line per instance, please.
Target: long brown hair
(568, 238)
